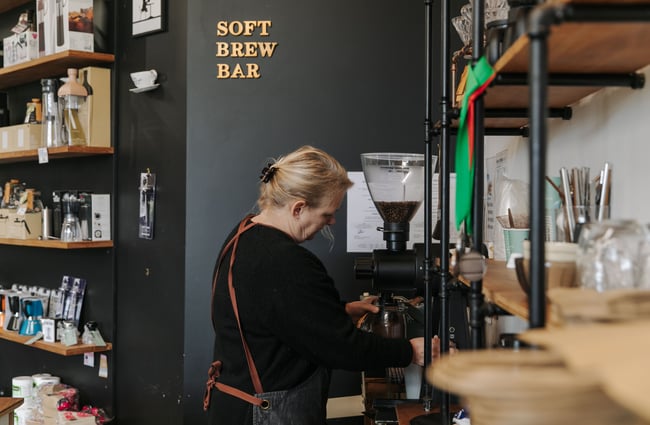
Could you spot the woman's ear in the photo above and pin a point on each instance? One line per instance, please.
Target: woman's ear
(297, 207)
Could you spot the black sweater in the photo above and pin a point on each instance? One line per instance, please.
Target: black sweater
(293, 320)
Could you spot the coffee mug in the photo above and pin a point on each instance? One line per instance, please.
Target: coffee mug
(144, 78)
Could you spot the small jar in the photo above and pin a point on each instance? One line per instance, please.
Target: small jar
(612, 254)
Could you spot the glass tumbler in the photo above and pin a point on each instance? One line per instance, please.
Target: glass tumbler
(612, 254)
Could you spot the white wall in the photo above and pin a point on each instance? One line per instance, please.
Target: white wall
(611, 125)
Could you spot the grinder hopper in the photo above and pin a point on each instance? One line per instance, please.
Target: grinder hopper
(396, 185)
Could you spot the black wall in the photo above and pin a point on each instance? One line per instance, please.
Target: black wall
(347, 77)
(150, 273)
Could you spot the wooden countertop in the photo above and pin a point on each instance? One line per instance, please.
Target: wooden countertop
(500, 287)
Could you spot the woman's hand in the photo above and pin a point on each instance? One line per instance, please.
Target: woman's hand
(418, 349)
(357, 309)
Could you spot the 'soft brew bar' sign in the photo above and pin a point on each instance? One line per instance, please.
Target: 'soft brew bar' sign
(242, 49)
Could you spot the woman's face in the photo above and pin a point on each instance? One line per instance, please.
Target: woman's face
(312, 219)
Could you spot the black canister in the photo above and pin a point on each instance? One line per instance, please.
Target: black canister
(517, 14)
(495, 35)
(4, 110)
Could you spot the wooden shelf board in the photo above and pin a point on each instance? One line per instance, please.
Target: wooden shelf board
(54, 153)
(621, 49)
(56, 244)
(9, 404)
(54, 347)
(7, 5)
(508, 97)
(51, 66)
(500, 287)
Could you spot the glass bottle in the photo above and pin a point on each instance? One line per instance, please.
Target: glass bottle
(51, 122)
(71, 96)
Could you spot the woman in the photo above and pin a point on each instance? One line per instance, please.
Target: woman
(290, 328)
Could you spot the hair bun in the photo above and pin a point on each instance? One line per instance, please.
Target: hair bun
(267, 172)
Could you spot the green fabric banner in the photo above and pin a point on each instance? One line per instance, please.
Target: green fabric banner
(479, 78)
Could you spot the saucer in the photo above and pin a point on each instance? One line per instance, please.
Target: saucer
(143, 89)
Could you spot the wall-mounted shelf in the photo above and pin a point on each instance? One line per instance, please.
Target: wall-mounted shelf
(54, 153)
(55, 347)
(574, 49)
(50, 66)
(7, 5)
(56, 244)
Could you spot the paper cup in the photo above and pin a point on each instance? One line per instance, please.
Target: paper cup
(513, 240)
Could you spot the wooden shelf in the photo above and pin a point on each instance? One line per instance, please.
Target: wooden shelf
(500, 287)
(51, 66)
(54, 347)
(54, 153)
(621, 49)
(7, 5)
(56, 244)
(8, 405)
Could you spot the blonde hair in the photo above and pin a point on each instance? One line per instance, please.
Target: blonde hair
(307, 173)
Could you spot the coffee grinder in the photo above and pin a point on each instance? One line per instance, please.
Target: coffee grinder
(396, 182)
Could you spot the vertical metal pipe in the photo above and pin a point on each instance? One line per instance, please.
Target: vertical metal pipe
(445, 71)
(540, 19)
(476, 288)
(428, 202)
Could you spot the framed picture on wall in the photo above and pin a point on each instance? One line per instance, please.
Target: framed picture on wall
(148, 17)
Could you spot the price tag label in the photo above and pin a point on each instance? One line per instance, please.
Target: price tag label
(43, 158)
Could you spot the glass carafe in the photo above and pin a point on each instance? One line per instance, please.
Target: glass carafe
(71, 133)
(51, 122)
(389, 322)
(70, 228)
(71, 96)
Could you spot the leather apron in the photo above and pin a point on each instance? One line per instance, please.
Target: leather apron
(304, 404)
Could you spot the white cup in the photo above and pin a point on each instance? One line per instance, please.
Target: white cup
(144, 78)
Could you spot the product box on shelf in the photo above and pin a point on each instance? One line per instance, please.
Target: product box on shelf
(100, 207)
(19, 48)
(74, 25)
(4, 219)
(46, 24)
(25, 225)
(20, 137)
(95, 112)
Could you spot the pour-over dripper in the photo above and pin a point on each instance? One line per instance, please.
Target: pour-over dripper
(396, 185)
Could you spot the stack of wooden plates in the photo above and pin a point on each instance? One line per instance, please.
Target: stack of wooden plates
(571, 305)
(526, 387)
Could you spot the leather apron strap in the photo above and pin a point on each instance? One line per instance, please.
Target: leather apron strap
(215, 368)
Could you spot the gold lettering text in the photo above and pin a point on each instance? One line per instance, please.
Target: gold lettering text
(248, 49)
(224, 71)
(245, 28)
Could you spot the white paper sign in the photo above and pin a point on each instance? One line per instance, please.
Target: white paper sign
(363, 218)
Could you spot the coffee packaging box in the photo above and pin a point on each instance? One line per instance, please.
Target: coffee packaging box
(95, 112)
(73, 28)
